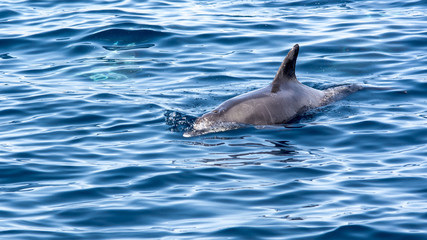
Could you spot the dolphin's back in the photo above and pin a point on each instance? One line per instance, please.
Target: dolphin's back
(263, 107)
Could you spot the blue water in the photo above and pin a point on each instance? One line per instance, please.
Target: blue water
(96, 95)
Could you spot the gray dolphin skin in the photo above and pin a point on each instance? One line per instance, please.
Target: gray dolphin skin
(278, 103)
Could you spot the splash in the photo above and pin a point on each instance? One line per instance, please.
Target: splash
(178, 122)
(205, 127)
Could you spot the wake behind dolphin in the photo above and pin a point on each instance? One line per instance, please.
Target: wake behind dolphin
(278, 103)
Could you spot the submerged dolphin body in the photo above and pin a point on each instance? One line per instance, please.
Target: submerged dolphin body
(279, 102)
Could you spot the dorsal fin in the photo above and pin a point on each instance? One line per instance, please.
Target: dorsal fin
(286, 71)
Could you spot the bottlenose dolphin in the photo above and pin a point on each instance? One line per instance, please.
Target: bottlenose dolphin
(278, 103)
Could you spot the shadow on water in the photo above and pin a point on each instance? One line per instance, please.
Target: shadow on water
(250, 153)
(238, 148)
(243, 150)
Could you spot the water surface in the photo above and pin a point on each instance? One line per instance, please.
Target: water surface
(95, 97)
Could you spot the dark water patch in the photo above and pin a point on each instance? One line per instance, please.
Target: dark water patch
(165, 180)
(42, 97)
(362, 231)
(267, 27)
(318, 133)
(43, 70)
(36, 172)
(16, 113)
(81, 195)
(289, 173)
(82, 119)
(55, 136)
(247, 232)
(405, 40)
(408, 182)
(128, 47)
(74, 50)
(64, 3)
(123, 36)
(120, 13)
(235, 40)
(315, 3)
(106, 96)
(7, 13)
(102, 218)
(17, 89)
(121, 128)
(371, 126)
(60, 33)
(216, 79)
(15, 44)
(298, 197)
(123, 174)
(6, 56)
(382, 141)
(37, 234)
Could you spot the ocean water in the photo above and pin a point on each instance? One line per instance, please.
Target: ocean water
(95, 97)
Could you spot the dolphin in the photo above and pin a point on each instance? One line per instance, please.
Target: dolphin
(279, 102)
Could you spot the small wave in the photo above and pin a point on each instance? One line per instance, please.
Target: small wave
(128, 47)
(6, 56)
(8, 13)
(365, 231)
(60, 33)
(125, 36)
(9, 44)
